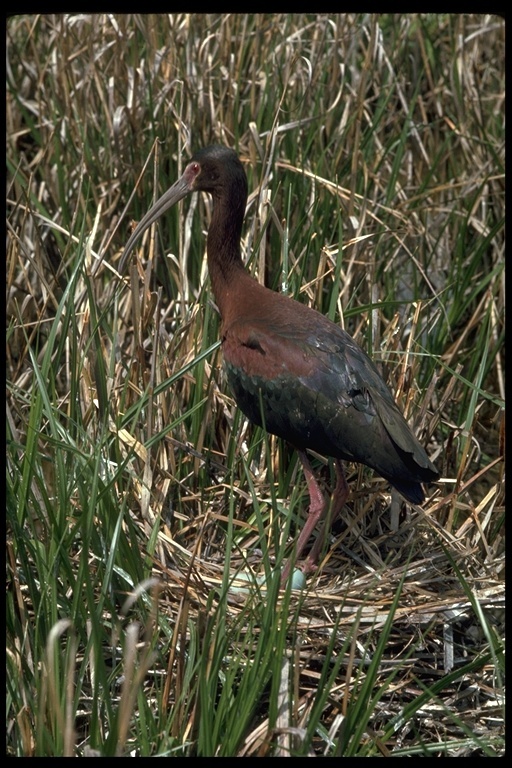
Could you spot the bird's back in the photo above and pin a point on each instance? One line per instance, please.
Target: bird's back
(306, 380)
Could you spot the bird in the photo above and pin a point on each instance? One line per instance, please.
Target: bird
(291, 369)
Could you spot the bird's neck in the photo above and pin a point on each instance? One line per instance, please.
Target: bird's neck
(223, 245)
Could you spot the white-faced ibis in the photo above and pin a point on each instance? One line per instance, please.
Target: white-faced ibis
(291, 369)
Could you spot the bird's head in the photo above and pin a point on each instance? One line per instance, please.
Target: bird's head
(214, 169)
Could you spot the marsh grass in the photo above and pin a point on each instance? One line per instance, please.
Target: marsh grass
(136, 492)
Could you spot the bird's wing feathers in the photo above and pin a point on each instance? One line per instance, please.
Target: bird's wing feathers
(324, 359)
(342, 362)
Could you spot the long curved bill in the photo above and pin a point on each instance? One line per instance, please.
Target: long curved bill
(174, 194)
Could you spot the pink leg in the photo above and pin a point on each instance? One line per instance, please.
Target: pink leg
(339, 498)
(316, 511)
